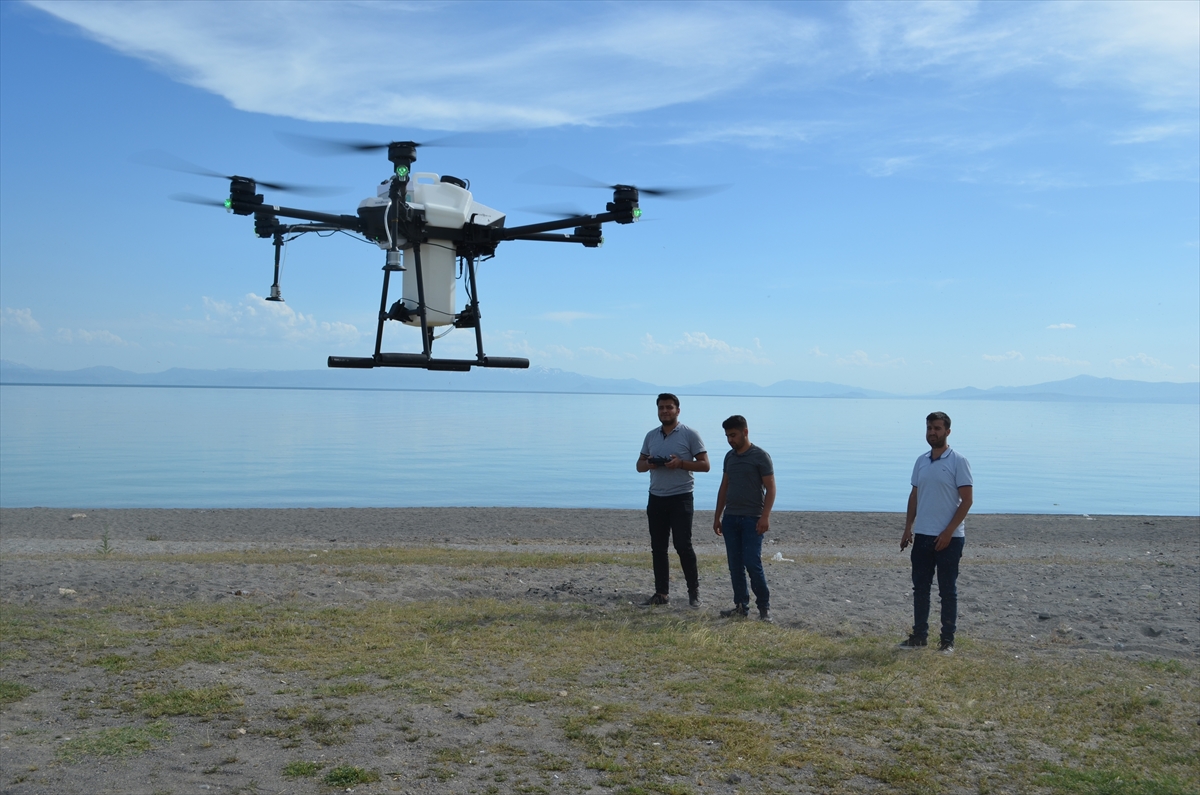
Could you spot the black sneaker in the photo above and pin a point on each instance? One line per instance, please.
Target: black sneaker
(737, 611)
(914, 642)
(657, 599)
(764, 614)
(946, 646)
(694, 599)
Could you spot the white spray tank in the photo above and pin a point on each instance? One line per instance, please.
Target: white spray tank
(448, 206)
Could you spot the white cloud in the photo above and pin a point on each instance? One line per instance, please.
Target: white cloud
(1154, 132)
(1141, 360)
(699, 342)
(760, 134)
(257, 317)
(21, 318)
(89, 337)
(1061, 325)
(1063, 360)
(1146, 48)
(816, 351)
(449, 65)
(887, 166)
(567, 317)
(861, 359)
(1004, 357)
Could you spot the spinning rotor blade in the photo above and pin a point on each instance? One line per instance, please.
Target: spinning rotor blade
(160, 159)
(570, 179)
(192, 198)
(555, 211)
(336, 146)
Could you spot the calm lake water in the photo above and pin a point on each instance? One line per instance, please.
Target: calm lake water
(95, 447)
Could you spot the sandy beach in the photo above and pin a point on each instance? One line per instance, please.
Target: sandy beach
(1053, 587)
(1124, 583)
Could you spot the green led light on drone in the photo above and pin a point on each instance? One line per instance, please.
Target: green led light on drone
(401, 171)
(229, 204)
(637, 212)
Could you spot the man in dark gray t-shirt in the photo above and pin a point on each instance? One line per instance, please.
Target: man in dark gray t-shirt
(743, 515)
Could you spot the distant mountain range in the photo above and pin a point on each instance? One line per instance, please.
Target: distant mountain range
(542, 379)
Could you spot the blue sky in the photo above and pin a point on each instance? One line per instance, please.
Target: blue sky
(922, 196)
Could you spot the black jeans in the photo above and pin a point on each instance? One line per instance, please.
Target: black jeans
(671, 518)
(925, 560)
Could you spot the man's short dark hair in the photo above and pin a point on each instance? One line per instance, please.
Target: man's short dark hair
(736, 421)
(940, 415)
(667, 396)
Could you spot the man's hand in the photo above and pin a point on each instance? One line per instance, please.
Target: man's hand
(717, 524)
(906, 539)
(674, 462)
(943, 539)
(764, 524)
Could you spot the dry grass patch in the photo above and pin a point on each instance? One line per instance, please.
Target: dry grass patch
(652, 697)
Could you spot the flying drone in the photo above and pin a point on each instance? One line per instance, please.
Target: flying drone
(427, 224)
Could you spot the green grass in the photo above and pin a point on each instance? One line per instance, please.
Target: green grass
(348, 776)
(11, 692)
(200, 702)
(302, 769)
(122, 741)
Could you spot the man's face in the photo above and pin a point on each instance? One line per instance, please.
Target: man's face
(936, 433)
(737, 437)
(668, 412)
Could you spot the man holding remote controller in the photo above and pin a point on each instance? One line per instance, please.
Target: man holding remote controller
(671, 453)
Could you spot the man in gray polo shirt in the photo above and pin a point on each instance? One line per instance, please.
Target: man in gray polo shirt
(942, 493)
(743, 516)
(671, 453)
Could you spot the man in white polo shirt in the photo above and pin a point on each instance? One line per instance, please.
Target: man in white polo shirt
(942, 493)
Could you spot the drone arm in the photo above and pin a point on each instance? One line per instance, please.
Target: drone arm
(523, 232)
(550, 238)
(350, 223)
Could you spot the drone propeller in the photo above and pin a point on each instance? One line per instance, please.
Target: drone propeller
(555, 211)
(160, 159)
(571, 179)
(192, 198)
(336, 146)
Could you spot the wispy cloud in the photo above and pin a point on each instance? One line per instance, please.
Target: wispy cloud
(86, 337)
(862, 359)
(887, 166)
(1004, 357)
(1063, 360)
(257, 317)
(568, 317)
(699, 342)
(461, 66)
(1141, 360)
(1146, 48)
(1154, 132)
(20, 318)
(517, 343)
(1061, 325)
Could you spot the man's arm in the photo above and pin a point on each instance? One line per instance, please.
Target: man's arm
(764, 521)
(643, 463)
(909, 518)
(966, 496)
(721, 492)
(699, 465)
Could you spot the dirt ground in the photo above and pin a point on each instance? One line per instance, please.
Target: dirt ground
(1051, 586)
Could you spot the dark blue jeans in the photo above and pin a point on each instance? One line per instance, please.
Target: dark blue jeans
(743, 550)
(670, 519)
(925, 561)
